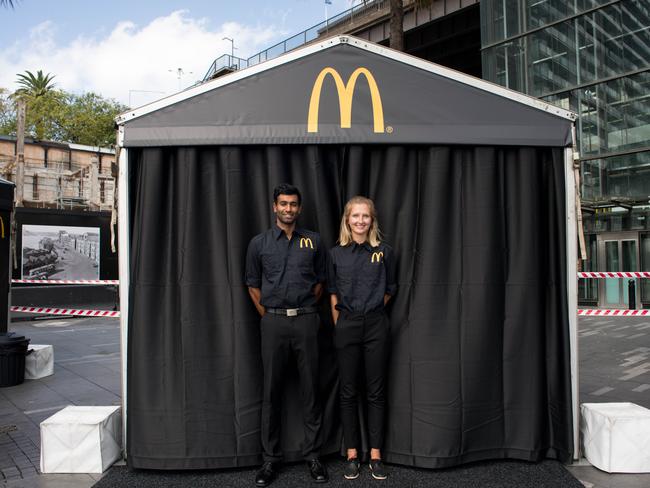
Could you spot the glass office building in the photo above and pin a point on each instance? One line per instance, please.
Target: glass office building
(591, 57)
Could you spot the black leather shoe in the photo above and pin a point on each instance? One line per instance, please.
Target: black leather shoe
(266, 474)
(317, 471)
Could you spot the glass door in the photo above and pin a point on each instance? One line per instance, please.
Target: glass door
(618, 252)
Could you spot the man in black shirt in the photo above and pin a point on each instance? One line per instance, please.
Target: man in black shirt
(285, 269)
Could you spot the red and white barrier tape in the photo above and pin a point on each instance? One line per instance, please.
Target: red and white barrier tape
(619, 313)
(614, 274)
(69, 282)
(67, 311)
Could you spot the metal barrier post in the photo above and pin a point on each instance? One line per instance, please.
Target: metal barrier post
(631, 291)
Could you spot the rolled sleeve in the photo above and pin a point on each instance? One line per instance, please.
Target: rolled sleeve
(391, 271)
(253, 276)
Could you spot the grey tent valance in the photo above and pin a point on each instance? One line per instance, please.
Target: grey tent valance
(347, 91)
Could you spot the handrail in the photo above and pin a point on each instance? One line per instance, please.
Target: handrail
(225, 61)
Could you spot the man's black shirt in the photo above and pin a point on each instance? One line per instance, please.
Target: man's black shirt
(360, 275)
(285, 270)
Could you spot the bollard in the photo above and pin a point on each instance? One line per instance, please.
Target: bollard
(631, 291)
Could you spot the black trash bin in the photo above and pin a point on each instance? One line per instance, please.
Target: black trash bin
(13, 350)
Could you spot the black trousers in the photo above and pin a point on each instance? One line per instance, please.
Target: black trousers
(362, 340)
(280, 337)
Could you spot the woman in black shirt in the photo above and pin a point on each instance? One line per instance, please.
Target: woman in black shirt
(361, 280)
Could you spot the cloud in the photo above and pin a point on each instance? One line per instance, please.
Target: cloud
(132, 61)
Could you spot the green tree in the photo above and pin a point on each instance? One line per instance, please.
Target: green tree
(90, 119)
(34, 86)
(7, 113)
(57, 115)
(43, 103)
(44, 115)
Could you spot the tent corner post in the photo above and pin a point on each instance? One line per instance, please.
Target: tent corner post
(123, 256)
(572, 291)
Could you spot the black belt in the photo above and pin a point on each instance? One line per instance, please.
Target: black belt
(292, 312)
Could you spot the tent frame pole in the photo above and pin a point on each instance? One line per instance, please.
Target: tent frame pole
(572, 292)
(123, 245)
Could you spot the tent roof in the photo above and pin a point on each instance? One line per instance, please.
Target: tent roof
(346, 90)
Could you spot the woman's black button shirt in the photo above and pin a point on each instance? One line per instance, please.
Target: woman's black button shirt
(360, 275)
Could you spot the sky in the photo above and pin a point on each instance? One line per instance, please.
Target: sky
(131, 51)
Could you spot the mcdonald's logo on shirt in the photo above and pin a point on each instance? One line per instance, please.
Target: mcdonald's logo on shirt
(306, 242)
(345, 92)
(377, 257)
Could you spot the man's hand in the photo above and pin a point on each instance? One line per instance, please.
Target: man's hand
(318, 291)
(256, 295)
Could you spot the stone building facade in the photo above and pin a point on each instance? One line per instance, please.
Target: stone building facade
(62, 175)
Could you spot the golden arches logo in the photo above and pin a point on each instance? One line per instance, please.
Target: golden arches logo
(345, 93)
(377, 257)
(306, 242)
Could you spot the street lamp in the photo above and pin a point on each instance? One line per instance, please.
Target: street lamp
(232, 46)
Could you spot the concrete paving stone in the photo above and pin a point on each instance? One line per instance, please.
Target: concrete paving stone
(601, 391)
(87, 369)
(601, 479)
(11, 471)
(636, 336)
(54, 481)
(28, 472)
(33, 396)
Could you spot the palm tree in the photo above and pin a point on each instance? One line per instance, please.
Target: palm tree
(37, 97)
(34, 86)
(7, 3)
(396, 36)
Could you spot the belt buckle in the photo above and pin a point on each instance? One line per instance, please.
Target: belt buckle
(292, 312)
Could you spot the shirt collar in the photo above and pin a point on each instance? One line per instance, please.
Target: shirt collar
(366, 245)
(277, 232)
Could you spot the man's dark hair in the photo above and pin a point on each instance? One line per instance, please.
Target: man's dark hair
(286, 189)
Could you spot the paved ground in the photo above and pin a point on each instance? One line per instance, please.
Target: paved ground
(614, 366)
(86, 372)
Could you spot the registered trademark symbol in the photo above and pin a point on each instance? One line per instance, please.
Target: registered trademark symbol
(389, 129)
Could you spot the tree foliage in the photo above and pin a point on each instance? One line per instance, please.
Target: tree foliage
(34, 86)
(90, 119)
(64, 117)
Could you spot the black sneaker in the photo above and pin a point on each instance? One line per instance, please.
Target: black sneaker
(351, 470)
(378, 470)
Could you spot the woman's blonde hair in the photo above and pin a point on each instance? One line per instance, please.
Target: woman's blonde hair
(345, 234)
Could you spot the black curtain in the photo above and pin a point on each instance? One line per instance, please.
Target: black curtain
(480, 364)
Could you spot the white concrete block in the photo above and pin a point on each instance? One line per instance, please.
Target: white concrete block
(40, 362)
(81, 440)
(616, 436)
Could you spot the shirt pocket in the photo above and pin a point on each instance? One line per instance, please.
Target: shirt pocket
(371, 273)
(271, 266)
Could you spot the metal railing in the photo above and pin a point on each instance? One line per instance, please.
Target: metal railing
(349, 16)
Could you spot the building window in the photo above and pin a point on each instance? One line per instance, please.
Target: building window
(102, 191)
(35, 187)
